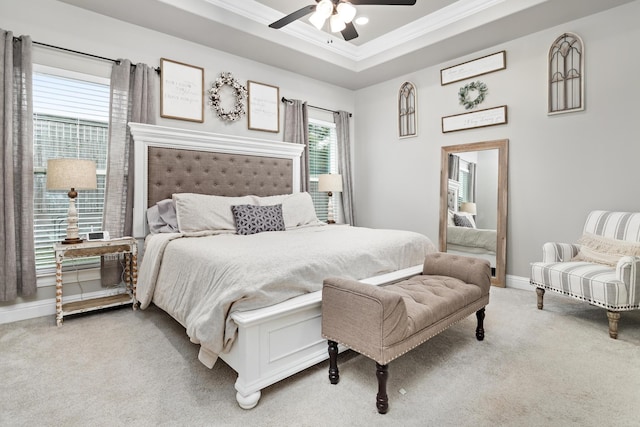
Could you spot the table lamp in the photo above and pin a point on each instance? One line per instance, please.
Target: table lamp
(330, 183)
(468, 207)
(71, 175)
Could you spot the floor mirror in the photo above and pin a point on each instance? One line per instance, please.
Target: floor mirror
(473, 203)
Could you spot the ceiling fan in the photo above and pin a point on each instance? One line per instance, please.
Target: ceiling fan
(340, 13)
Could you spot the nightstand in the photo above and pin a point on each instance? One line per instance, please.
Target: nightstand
(126, 245)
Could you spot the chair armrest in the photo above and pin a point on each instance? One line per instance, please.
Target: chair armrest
(559, 252)
(628, 271)
(362, 316)
(466, 268)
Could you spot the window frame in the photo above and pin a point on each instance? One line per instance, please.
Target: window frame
(321, 200)
(84, 271)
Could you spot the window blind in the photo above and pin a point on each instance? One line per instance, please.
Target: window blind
(71, 120)
(323, 158)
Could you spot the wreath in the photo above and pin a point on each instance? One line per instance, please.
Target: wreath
(463, 94)
(214, 97)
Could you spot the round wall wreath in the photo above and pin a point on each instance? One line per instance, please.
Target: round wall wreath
(214, 97)
(463, 94)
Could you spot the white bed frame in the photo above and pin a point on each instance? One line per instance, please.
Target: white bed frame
(274, 342)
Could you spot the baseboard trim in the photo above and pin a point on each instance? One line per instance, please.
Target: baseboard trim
(518, 282)
(46, 307)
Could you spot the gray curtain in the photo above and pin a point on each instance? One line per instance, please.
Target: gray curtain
(17, 253)
(296, 130)
(454, 167)
(472, 182)
(341, 119)
(133, 94)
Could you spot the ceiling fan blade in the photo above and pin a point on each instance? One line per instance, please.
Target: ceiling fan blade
(349, 32)
(384, 2)
(293, 16)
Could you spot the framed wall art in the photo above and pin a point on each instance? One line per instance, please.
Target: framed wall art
(264, 107)
(476, 119)
(476, 67)
(181, 91)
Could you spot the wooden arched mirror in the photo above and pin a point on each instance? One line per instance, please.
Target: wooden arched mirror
(473, 203)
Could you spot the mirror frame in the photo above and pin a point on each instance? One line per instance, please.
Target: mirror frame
(502, 145)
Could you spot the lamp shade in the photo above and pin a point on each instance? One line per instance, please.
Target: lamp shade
(330, 182)
(468, 207)
(65, 174)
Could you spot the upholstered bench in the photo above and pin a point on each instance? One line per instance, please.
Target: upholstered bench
(384, 322)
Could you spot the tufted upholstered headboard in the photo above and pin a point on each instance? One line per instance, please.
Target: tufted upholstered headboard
(175, 170)
(170, 160)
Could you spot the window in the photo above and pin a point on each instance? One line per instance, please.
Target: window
(71, 120)
(566, 75)
(323, 158)
(407, 110)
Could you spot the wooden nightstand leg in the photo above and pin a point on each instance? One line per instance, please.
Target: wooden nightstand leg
(58, 291)
(127, 271)
(134, 275)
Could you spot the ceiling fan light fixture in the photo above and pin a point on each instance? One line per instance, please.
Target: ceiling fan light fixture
(346, 11)
(337, 24)
(317, 20)
(324, 8)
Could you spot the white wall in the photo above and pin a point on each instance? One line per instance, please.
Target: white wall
(560, 167)
(59, 24)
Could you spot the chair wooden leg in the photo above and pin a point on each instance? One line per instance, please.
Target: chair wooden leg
(334, 375)
(613, 317)
(480, 327)
(540, 293)
(382, 400)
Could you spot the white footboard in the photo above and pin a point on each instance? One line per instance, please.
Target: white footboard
(276, 342)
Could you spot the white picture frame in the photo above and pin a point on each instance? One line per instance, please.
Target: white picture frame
(476, 119)
(476, 67)
(181, 91)
(263, 107)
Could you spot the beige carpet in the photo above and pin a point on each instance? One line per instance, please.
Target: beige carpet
(555, 367)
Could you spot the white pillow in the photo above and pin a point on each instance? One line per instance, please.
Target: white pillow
(450, 221)
(297, 209)
(200, 212)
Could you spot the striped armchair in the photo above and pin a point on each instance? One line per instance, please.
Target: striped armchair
(602, 267)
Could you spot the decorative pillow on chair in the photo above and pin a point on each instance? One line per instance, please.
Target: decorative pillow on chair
(252, 219)
(604, 250)
(461, 220)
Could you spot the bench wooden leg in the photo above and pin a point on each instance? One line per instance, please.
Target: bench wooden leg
(334, 375)
(382, 400)
(540, 293)
(480, 328)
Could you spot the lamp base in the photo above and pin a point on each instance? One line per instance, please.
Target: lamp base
(69, 241)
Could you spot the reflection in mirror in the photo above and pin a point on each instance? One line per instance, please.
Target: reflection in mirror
(473, 203)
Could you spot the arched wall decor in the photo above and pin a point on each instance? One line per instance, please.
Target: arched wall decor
(566, 74)
(407, 103)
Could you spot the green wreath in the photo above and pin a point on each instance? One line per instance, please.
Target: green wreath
(463, 94)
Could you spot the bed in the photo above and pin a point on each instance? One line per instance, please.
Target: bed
(224, 307)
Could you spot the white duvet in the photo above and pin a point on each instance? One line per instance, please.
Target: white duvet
(200, 280)
(483, 240)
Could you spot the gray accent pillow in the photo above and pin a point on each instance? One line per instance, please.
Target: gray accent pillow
(252, 219)
(161, 217)
(462, 221)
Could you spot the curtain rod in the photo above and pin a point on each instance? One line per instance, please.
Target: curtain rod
(77, 52)
(313, 106)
